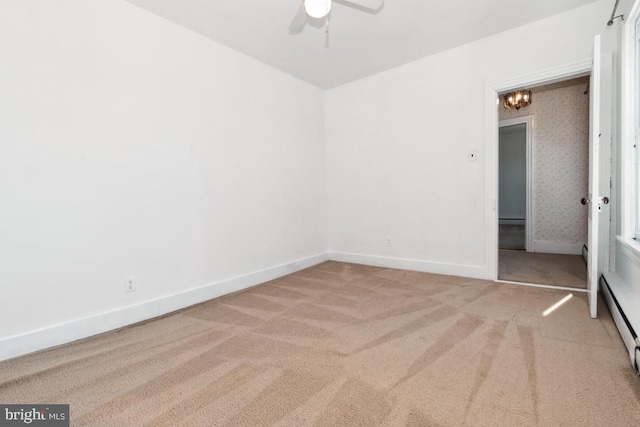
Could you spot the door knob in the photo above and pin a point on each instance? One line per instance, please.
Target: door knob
(584, 201)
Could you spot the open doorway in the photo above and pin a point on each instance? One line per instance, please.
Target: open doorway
(543, 172)
(514, 183)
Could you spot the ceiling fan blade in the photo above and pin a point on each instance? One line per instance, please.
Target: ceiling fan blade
(370, 10)
(299, 20)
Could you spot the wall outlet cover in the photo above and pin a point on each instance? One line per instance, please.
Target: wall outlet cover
(130, 284)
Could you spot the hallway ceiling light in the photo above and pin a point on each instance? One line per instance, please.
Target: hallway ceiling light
(517, 100)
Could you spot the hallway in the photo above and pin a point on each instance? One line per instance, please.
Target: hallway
(541, 268)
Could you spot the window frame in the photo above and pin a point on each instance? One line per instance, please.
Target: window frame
(630, 122)
(634, 130)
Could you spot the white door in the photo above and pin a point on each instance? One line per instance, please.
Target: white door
(597, 158)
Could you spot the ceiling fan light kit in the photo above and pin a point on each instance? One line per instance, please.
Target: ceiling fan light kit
(317, 8)
(317, 13)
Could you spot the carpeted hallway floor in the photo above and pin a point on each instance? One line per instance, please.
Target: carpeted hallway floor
(543, 269)
(341, 344)
(511, 236)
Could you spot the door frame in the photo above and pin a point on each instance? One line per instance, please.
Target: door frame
(528, 221)
(547, 76)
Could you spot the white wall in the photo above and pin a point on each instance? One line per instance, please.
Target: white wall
(512, 200)
(399, 143)
(131, 146)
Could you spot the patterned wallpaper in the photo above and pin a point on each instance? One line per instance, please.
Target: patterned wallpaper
(560, 161)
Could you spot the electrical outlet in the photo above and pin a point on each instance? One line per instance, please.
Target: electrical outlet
(130, 284)
(389, 241)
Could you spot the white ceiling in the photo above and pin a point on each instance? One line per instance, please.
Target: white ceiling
(360, 44)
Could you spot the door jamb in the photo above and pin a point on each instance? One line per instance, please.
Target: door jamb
(564, 72)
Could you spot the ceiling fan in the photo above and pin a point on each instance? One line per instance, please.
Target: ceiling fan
(316, 13)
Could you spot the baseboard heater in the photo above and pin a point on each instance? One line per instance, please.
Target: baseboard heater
(628, 334)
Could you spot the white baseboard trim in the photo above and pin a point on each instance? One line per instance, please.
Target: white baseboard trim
(512, 221)
(476, 272)
(547, 247)
(538, 285)
(50, 336)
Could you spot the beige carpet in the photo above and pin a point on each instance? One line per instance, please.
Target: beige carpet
(544, 269)
(343, 345)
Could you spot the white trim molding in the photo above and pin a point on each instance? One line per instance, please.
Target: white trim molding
(628, 123)
(538, 285)
(492, 89)
(449, 269)
(18, 345)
